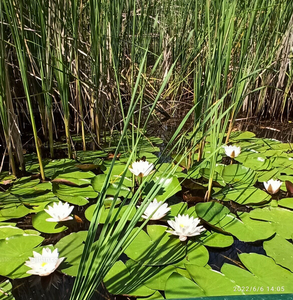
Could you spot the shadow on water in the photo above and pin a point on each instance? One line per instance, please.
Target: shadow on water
(56, 286)
(219, 256)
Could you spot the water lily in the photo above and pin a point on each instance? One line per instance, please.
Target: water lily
(44, 264)
(232, 151)
(141, 168)
(272, 186)
(59, 212)
(156, 209)
(185, 226)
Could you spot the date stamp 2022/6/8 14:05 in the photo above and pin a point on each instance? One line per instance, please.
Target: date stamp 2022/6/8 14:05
(265, 289)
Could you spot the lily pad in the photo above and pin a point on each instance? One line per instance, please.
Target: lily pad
(178, 287)
(13, 211)
(213, 283)
(39, 222)
(156, 248)
(280, 250)
(75, 195)
(280, 218)
(75, 178)
(15, 250)
(245, 229)
(6, 290)
(165, 187)
(119, 281)
(124, 191)
(71, 247)
(243, 194)
(239, 174)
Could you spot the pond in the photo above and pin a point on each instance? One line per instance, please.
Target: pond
(239, 242)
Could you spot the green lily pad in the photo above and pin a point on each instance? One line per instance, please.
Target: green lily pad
(280, 218)
(13, 211)
(6, 290)
(178, 287)
(71, 247)
(245, 229)
(15, 250)
(272, 274)
(60, 166)
(215, 239)
(8, 230)
(280, 250)
(158, 281)
(76, 178)
(39, 222)
(239, 174)
(258, 163)
(155, 248)
(105, 211)
(27, 186)
(169, 186)
(239, 135)
(179, 208)
(7, 198)
(213, 283)
(124, 191)
(75, 195)
(264, 176)
(119, 281)
(243, 194)
(286, 202)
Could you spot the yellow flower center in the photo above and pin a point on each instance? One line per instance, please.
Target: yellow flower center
(181, 225)
(43, 264)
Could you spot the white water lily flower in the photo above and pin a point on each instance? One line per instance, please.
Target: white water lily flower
(159, 208)
(59, 212)
(44, 264)
(141, 168)
(272, 186)
(185, 226)
(232, 151)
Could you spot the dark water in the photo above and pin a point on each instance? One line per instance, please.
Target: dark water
(56, 286)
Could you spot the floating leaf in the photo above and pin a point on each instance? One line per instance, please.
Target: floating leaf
(215, 239)
(239, 135)
(264, 176)
(71, 247)
(15, 250)
(156, 248)
(13, 211)
(105, 211)
(56, 167)
(6, 290)
(178, 287)
(281, 219)
(119, 281)
(280, 250)
(39, 222)
(124, 191)
(239, 174)
(243, 194)
(169, 186)
(213, 283)
(75, 195)
(245, 229)
(75, 178)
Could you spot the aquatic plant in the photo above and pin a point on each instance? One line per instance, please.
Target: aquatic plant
(59, 212)
(44, 264)
(156, 210)
(185, 226)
